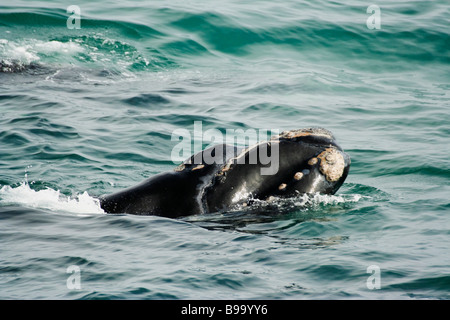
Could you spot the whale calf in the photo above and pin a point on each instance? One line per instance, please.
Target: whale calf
(307, 161)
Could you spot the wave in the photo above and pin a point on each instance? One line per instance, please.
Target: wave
(241, 34)
(173, 37)
(114, 46)
(84, 52)
(56, 17)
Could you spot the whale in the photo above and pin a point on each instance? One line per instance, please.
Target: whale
(308, 161)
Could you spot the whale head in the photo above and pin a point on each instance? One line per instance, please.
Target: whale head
(302, 161)
(320, 164)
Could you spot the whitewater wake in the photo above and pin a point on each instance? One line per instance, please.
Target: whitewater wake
(49, 199)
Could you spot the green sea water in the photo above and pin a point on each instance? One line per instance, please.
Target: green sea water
(90, 111)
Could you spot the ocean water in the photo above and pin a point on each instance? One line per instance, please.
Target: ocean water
(90, 111)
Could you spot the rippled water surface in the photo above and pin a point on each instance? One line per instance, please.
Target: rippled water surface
(90, 111)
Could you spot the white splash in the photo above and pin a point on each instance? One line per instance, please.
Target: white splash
(49, 199)
(57, 47)
(27, 51)
(314, 200)
(10, 51)
(326, 199)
